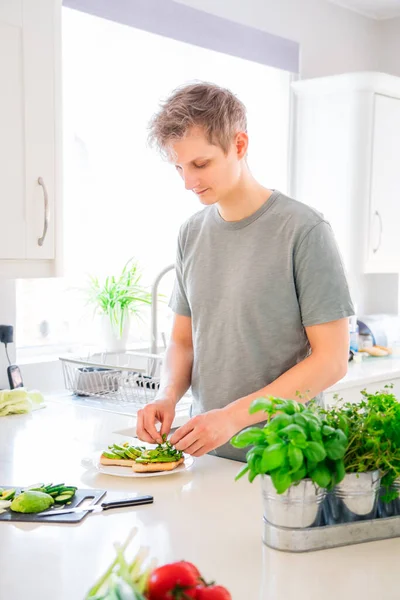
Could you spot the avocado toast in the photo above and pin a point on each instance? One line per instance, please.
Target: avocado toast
(164, 457)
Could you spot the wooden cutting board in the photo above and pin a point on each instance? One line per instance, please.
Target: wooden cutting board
(80, 496)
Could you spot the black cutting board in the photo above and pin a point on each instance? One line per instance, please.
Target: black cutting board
(80, 495)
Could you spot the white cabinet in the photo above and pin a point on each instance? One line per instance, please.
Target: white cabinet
(346, 164)
(30, 199)
(383, 239)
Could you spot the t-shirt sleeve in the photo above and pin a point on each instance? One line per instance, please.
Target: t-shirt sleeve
(178, 301)
(321, 283)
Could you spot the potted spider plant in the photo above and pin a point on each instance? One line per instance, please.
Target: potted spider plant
(117, 299)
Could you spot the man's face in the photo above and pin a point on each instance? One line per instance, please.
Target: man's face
(205, 169)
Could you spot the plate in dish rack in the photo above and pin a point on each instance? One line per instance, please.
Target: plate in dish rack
(93, 462)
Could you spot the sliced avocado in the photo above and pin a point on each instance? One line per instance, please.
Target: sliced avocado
(8, 495)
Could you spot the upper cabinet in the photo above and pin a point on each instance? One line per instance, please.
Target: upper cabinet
(30, 140)
(346, 163)
(383, 239)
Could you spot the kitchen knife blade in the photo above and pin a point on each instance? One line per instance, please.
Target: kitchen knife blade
(135, 501)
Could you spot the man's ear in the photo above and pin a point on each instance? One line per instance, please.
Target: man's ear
(241, 144)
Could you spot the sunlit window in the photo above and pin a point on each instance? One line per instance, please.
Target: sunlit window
(120, 198)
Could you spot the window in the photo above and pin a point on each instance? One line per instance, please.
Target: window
(120, 198)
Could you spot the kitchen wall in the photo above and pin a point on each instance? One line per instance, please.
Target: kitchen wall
(333, 40)
(389, 46)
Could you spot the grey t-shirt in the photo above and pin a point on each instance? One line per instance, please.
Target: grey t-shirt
(250, 287)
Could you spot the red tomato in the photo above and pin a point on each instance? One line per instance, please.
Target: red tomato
(190, 566)
(212, 592)
(176, 581)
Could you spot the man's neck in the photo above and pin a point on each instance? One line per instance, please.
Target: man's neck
(244, 201)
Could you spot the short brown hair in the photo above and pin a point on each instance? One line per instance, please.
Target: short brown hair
(217, 110)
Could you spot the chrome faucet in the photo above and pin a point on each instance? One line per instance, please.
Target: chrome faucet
(154, 298)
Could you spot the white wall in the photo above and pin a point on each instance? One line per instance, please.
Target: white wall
(389, 46)
(333, 40)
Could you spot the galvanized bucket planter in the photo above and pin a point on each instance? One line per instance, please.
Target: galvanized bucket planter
(355, 498)
(298, 507)
(392, 508)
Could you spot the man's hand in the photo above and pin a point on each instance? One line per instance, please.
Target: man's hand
(160, 411)
(204, 433)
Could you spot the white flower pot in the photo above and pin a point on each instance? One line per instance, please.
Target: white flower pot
(113, 342)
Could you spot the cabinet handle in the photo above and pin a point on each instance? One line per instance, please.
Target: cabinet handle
(46, 212)
(380, 231)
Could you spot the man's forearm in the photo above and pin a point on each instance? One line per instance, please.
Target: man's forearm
(176, 372)
(309, 378)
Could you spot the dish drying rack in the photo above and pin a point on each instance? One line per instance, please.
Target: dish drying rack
(114, 376)
(117, 376)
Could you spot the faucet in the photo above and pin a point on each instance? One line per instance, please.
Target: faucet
(154, 297)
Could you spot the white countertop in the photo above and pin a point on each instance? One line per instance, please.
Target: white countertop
(200, 515)
(368, 371)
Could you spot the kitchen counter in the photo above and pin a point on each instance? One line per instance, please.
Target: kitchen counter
(200, 515)
(370, 370)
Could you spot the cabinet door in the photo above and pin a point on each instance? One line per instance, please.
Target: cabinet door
(40, 30)
(12, 138)
(384, 243)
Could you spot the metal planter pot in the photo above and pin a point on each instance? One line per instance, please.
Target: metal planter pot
(392, 508)
(298, 507)
(355, 498)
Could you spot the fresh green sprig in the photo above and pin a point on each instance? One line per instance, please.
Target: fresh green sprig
(123, 579)
(374, 436)
(295, 444)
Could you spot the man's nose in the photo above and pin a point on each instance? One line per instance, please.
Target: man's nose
(191, 180)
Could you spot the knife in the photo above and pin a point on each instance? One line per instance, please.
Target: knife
(135, 501)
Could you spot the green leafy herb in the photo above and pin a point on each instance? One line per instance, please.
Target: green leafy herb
(297, 443)
(373, 429)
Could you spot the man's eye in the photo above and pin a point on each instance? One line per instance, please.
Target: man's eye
(201, 166)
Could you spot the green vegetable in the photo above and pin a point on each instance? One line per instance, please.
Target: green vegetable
(123, 580)
(295, 444)
(31, 502)
(164, 452)
(19, 401)
(55, 491)
(273, 457)
(373, 430)
(7, 494)
(248, 437)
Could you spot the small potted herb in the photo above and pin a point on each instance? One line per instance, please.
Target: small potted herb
(298, 455)
(372, 458)
(116, 299)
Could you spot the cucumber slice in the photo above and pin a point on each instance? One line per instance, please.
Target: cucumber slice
(53, 488)
(37, 487)
(8, 495)
(63, 497)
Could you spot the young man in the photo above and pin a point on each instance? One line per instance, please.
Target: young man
(261, 300)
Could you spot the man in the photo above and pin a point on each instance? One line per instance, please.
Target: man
(261, 300)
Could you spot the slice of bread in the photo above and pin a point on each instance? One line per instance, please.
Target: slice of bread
(154, 467)
(117, 462)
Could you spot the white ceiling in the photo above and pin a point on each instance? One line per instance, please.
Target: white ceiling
(376, 9)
